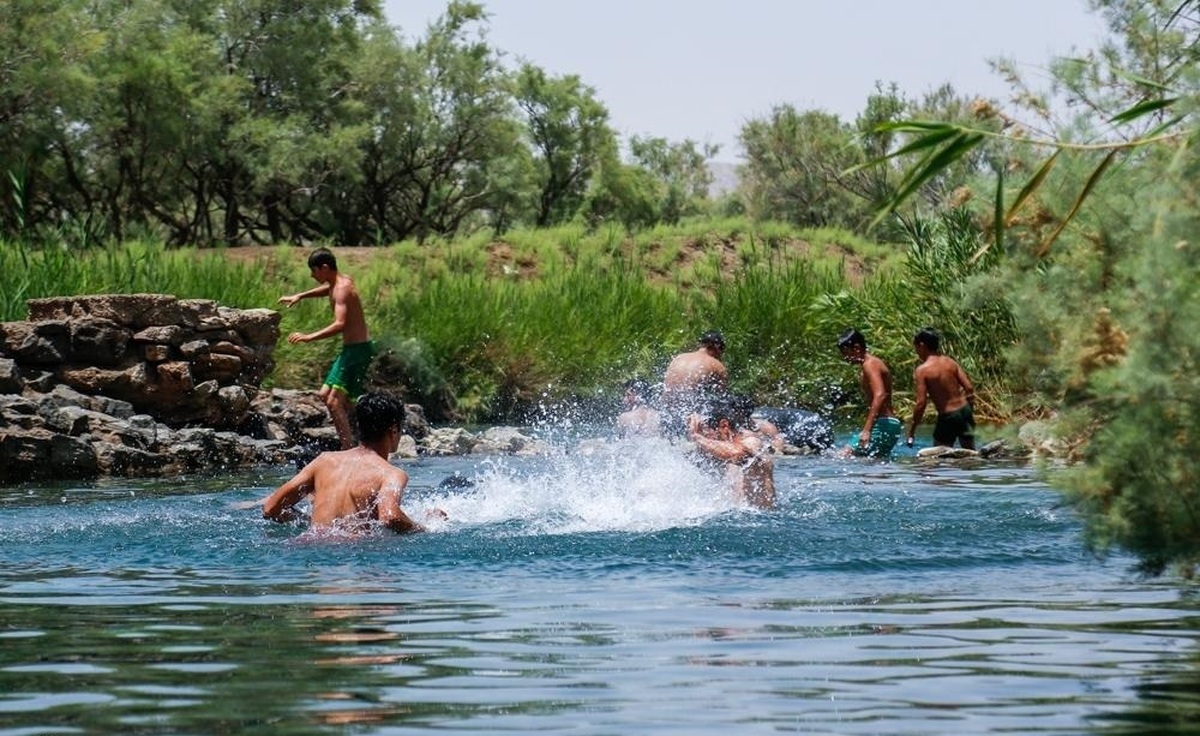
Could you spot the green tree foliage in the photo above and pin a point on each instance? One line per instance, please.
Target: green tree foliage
(451, 122)
(680, 172)
(1104, 271)
(1140, 486)
(569, 133)
(268, 121)
(794, 161)
(48, 45)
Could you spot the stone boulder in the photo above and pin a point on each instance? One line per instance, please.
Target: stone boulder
(147, 384)
(184, 361)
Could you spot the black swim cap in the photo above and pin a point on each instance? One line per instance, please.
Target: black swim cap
(714, 338)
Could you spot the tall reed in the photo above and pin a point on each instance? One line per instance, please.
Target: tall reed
(546, 316)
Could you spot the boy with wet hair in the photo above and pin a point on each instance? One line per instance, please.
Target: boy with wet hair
(942, 379)
(358, 489)
(881, 428)
(723, 435)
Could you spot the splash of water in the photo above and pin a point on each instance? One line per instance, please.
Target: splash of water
(638, 485)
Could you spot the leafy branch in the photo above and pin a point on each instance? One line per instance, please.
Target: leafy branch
(941, 144)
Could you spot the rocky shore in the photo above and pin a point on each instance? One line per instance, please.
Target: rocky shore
(148, 384)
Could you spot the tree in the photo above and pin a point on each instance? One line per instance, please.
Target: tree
(43, 74)
(290, 124)
(568, 130)
(681, 172)
(442, 129)
(794, 161)
(1117, 251)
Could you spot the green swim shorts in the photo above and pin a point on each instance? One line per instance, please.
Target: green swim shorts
(348, 373)
(884, 434)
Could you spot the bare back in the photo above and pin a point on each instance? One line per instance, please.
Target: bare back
(695, 371)
(349, 488)
(944, 381)
(348, 309)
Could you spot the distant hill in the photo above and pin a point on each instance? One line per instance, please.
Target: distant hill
(725, 178)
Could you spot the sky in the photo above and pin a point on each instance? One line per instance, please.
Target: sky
(699, 69)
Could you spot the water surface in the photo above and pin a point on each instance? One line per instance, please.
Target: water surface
(617, 590)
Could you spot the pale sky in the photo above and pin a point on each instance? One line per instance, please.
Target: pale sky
(700, 69)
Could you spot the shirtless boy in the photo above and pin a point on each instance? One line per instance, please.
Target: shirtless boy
(694, 379)
(942, 379)
(638, 418)
(747, 455)
(881, 428)
(357, 489)
(346, 378)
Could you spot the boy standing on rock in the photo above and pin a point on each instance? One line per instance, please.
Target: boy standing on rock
(346, 379)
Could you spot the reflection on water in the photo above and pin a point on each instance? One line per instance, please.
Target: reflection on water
(610, 589)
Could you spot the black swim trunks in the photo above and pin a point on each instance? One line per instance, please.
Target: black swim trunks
(955, 425)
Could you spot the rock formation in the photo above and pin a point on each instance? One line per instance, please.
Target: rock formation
(148, 384)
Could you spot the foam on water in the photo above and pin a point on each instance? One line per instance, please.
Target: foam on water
(615, 485)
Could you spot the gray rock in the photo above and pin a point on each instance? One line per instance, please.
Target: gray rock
(11, 381)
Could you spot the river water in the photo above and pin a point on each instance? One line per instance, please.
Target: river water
(608, 589)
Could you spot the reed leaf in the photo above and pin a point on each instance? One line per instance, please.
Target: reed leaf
(1044, 248)
(933, 164)
(1142, 109)
(1034, 183)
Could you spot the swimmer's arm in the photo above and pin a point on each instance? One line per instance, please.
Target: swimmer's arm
(721, 449)
(389, 511)
(878, 396)
(291, 299)
(919, 406)
(279, 506)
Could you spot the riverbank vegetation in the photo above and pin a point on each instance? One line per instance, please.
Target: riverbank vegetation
(521, 255)
(482, 329)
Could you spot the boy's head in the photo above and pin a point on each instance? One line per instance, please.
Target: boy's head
(322, 257)
(376, 414)
(734, 410)
(713, 339)
(928, 338)
(852, 345)
(637, 391)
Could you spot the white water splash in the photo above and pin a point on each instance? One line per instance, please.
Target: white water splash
(603, 485)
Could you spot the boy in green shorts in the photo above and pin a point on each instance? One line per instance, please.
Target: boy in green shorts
(346, 379)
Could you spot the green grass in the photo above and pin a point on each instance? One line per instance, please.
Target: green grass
(551, 315)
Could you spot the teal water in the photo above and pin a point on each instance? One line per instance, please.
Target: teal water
(610, 590)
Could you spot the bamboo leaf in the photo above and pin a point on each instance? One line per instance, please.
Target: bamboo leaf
(1033, 184)
(1044, 248)
(914, 126)
(1142, 109)
(933, 164)
(1143, 81)
(997, 219)
(926, 141)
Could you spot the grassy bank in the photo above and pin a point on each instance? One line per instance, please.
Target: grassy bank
(485, 330)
